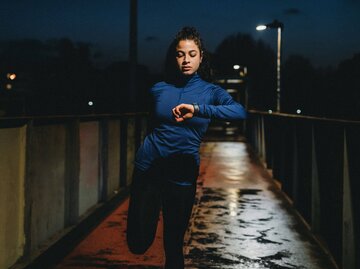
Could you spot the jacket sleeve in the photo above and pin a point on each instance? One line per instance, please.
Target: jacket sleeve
(224, 107)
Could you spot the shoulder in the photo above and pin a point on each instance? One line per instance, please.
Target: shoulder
(216, 89)
(159, 86)
(211, 90)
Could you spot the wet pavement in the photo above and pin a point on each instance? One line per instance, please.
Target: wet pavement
(240, 220)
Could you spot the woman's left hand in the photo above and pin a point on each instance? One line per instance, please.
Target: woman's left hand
(183, 111)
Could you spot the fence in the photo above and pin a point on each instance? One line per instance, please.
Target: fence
(317, 162)
(56, 171)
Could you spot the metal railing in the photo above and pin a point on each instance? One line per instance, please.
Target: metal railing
(317, 162)
(56, 171)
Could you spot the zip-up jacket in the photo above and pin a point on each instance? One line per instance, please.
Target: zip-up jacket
(169, 137)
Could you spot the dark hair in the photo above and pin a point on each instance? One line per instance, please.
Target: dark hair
(172, 72)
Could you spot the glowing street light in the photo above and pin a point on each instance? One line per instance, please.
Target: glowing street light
(11, 76)
(261, 27)
(279, 26)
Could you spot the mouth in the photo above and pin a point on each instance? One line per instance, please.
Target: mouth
(186, 68)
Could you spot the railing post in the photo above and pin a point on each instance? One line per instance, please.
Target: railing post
(27, 192)
(262, 140)
(295, 166)
(72, 164)
(315, 188)
(256, 134)
(103, 159)
(348, 253)
(123, 151)
(131, 148)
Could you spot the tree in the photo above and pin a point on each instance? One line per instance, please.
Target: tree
(56, 76)
(299, 85)
(260, 61)
(348, 88)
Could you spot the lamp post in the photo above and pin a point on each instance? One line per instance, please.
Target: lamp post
(279, 26)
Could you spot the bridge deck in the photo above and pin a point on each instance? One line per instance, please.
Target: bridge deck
(241, 220)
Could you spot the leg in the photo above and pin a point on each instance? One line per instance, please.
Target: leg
(144, 209)
(177, 206)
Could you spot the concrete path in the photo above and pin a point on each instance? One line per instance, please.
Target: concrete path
(243, 220)
(240, 220)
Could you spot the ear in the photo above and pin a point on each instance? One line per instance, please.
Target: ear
(201, 56)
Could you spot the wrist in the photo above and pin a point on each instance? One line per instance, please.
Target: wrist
(196, 108)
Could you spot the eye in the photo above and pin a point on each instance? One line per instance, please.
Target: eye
(193, 53)
(179, 54)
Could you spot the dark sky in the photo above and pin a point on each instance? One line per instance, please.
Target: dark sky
(325, 31)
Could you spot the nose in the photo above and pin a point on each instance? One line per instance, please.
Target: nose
(185, 59)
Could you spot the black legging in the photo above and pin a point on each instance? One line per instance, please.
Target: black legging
(171, 184)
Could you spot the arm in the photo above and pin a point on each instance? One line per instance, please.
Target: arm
(224, 107)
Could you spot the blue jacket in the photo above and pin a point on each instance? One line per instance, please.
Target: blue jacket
(170, 137)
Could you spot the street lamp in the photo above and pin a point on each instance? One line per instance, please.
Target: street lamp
(279, 26)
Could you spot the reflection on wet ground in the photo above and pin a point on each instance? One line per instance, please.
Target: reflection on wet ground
(246, 224)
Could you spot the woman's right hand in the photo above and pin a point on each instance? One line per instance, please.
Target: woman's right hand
(183, 111)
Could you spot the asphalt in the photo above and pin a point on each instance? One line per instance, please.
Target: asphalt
(241, 219)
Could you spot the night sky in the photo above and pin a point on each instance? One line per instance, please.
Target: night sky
(325, 31)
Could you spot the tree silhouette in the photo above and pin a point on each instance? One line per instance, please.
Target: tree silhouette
(300, 84)
(260, 61)
(54, 77)
(338, 95)
(327, 92)
(348, 87)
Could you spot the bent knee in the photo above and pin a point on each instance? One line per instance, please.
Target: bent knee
(137, 245)
(137, 248)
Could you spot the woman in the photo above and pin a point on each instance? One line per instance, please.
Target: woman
(167, 163)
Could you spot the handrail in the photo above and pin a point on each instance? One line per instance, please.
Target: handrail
(85, 116)
(143, 113)
(316, 161)
(303, 117)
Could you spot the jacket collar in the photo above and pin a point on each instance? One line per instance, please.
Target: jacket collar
(187, 81)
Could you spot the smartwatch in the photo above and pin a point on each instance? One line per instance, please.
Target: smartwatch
(196, 108)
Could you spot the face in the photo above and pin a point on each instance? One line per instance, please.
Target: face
(188, 57)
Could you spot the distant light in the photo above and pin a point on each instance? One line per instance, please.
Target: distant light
(261, 27)
(90, 103)
(236, 66)
(298, 111)
(270, 111)
(232, 90)
(8, 86)
(243, 73)
(11, 76)
(234, 80)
